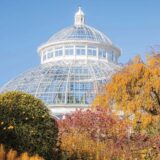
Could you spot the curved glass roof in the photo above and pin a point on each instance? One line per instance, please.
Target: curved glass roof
(61, 83)
(69, 83)
(80, 33)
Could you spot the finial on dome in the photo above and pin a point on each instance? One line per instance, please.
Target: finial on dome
(79, 19)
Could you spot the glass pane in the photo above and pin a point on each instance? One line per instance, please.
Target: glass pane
(50, 55)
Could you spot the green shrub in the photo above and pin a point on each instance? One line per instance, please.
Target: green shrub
(25, 125)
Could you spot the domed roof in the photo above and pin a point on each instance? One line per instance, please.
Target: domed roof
(64, 83)
(83, 32)
(74, 66)
(80, 32)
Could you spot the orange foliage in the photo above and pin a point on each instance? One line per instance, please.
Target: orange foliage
(135, 91)
(100, 135)
(92, 135)
(12, 155)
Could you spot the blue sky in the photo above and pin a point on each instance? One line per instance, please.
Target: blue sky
(133, 25)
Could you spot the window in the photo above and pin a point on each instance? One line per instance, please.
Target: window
(110, 56)
(91, 51)
(102, 53)
(69, 50)
(77, 98)
(70, 98)
(50, 54)
(58, 52)
(80, 50)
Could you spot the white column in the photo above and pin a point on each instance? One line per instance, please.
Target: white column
(97, 49)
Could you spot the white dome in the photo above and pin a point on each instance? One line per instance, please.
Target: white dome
(80, 33)
(75, 63)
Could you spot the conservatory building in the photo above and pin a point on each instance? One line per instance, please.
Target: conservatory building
(75, 63)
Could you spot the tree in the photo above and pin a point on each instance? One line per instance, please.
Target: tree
(135, 91)
(26, 125)
(87, 135)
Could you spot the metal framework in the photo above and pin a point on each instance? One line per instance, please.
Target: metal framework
(75, 62)
(62, 83)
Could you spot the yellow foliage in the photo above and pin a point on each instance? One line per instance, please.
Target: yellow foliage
(82, 145)
(12, 155)
(100, 100)
(10, 127)
(154, 61)
(25, 156)
(2, 152)
(135, 91)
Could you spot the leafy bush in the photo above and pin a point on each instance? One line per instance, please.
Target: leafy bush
(100, 135)
(25, 125)
(92, 135)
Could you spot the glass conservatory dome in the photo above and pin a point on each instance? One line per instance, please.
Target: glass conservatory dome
(75, 63)
(80, 33)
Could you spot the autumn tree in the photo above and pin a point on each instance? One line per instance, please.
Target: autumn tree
(135, 92)
(88, 134)
(100, 135)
